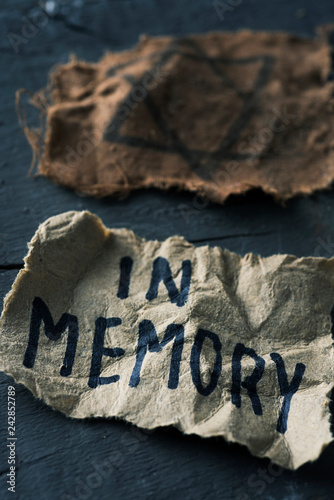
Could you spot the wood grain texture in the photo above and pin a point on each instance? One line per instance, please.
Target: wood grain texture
(57, 455)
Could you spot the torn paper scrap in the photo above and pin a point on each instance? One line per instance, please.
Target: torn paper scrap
(102, 323)
(216, 114)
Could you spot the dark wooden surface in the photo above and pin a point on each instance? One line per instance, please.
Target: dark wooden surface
(56, 455)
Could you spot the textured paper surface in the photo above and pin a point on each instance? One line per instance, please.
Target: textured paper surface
(216, 114)
(103, 323)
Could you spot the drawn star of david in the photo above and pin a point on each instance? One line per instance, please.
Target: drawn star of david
(203, 163)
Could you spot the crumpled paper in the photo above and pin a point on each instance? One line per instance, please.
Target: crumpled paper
(216, 114)
(102, 323)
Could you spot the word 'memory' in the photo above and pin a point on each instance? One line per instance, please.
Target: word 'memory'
(148, 342)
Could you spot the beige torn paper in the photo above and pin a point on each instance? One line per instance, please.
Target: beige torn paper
(103, 323)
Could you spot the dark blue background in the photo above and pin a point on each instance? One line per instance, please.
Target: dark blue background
(56, 455)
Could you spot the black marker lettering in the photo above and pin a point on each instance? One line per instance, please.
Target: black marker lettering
(250, 382)
(287, 390)
(124, 280)
(332, 320)
(39, 313)
(162, 272)
(148, 340)
(195, 362)
(101, 324)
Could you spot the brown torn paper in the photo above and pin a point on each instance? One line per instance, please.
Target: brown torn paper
(102, 323)
(216, 114)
